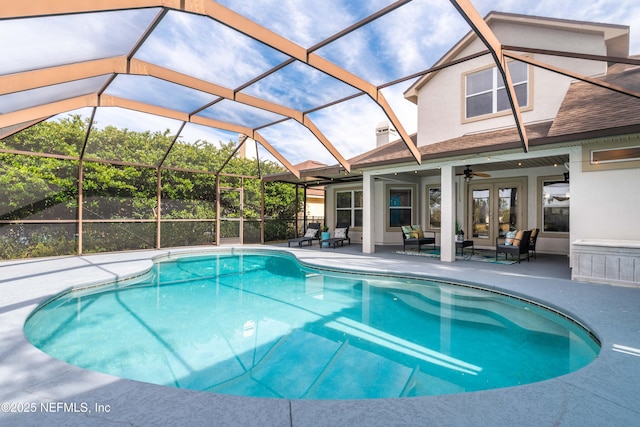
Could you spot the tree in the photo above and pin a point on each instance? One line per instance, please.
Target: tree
(46, 188)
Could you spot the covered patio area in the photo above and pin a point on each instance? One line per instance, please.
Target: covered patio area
(550, 266)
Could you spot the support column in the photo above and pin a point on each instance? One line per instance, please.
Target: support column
(80, 216)
(368, 214)
(448, 211)
(575, 173)
(158, 211)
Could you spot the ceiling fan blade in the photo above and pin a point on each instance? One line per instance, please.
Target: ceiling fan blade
(482, 174)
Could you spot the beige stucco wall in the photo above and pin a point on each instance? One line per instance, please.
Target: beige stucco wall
(315, 206)
(440, 101)
(605, 203)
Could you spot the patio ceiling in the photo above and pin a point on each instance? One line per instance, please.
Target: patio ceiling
(225, 66)
(331, 175)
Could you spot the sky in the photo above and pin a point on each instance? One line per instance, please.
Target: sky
(408, 40)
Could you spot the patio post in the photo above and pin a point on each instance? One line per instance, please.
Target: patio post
(368, 209)
(448, 211)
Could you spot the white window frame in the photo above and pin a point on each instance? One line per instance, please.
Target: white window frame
(497, 84)
(428, 206)
(389, 208)
(351, 208)
(543, 197)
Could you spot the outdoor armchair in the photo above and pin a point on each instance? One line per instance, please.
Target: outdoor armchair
(413, 235)
(519, 245)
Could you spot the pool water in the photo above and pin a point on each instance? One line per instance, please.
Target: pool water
(259, 324)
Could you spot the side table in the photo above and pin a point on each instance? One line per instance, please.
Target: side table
(464, 244)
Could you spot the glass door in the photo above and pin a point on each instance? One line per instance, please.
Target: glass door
(494, 209)
(507, 209)
(481, 213)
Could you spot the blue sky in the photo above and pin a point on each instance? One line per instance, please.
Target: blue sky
(407, 40)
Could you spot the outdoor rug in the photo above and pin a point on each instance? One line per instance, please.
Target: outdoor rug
(479, 255)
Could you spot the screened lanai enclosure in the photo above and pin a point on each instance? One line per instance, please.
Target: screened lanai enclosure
(133, 124)
(140, 124)
(112, 189)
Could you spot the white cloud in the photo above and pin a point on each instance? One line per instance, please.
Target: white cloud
(203, 48)
(192, 133)
(56, 40)
(133, 120)
(296, 143)
(303, 23)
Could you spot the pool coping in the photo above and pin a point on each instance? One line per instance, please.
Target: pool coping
(602, 393)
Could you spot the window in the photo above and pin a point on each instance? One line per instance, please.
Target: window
(434, 208)
(349, 207)
(400, 206)
(627, 154)
(555, 206)
(620, 153)
(485, 92)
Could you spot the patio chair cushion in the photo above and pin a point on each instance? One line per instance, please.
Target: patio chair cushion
(518, 238)
(311, 232)
(341, 233)
(509, 238)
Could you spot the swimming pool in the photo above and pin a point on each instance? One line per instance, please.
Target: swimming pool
(258, 324)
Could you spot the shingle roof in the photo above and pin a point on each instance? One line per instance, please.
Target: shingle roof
(396, 152)
(587, 107)
(310, 164)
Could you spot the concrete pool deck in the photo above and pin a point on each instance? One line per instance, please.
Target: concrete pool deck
(36, 389)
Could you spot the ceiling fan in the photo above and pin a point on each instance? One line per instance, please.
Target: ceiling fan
(469, 174)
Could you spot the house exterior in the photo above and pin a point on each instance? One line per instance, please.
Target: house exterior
(313, 204)
(578, 182)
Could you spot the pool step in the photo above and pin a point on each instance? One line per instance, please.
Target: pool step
(346, 368)
(311, 390)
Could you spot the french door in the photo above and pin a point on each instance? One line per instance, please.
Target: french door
(494, 208)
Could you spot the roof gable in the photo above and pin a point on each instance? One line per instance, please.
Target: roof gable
(616, 39)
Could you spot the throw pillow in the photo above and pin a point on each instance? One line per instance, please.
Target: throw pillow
(311, 232)
(406, 229)
(509, 238)
(341, 233)
(418, 228)
(518, 238)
